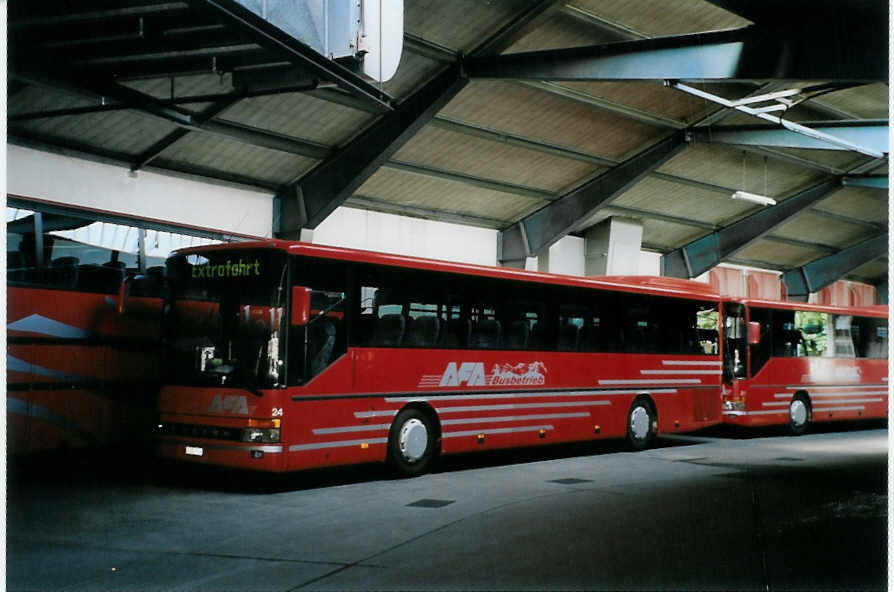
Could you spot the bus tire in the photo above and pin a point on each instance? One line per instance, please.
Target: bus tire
(799, 414)
(641, 421)
(411, 442)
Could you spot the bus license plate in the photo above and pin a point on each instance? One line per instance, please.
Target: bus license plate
(194, 451)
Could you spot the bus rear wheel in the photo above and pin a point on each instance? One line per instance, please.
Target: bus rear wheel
(641, 421)
(799, 414)
(411, 442)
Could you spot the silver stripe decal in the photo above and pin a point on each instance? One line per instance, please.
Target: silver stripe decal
(496, 431)
(662, 382)
(774, 411)
(365, 414)
(512, 418)
(839, 401)
(847, 394)
(855, 408)
(338, 444)
(782, 404)
(525, 395)
(360, 428)
(519, 406)
(36, 323)
(834, 386)
(681, 371)
(685, 363)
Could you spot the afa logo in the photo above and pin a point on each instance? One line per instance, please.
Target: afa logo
(472, 374)
(468, 373)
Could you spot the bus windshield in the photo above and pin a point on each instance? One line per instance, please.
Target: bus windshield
(223, 319)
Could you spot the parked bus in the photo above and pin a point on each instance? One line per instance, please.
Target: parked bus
(81, 372)
(282, 356)
(793, 363)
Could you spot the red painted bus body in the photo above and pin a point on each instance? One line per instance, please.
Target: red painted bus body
(468, 398)
(78, 371)
(848, 380)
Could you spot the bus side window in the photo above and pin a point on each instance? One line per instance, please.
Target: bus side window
(870, 337)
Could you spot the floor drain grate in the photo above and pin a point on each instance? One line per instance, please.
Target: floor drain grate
(570, 481)
(430, 503)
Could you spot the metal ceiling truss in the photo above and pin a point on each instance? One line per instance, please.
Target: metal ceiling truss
(380, 205)
(744, 55)
(871, 134)
(537, 231)
(698, 256)
(816, 275)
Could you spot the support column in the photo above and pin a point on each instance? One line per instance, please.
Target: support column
(613, 247)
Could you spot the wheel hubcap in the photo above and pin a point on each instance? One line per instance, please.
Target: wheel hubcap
(639, 422)
(413, 440)
(798, 412)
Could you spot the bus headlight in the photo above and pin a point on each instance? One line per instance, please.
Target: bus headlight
(260, 435)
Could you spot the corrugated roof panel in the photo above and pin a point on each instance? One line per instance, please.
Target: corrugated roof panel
(869, 101)
(839, 159)
(779, 253)
(230, 156)
(809, 226)
(657, 19)
(659, 232)
(412, 71)
(31, 99)
(561, 30)
(488, 159)
(858, 202)
(528, 112)
(873, 270)
(651, 97)
(459, 24)
(301, 116)
(127, 132)
(723, 165)
(683, 201)
(184, 86)
(423, 191)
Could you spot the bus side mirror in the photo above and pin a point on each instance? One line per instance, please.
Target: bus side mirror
(754, 333)
(300, 305)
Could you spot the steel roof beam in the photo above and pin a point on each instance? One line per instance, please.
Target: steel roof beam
(868, 181)
(515, 29)
(471, 180)
(616, 29)
(746, 54)
(816, 275)
(871, 134)
(695, 258)
(650, 215)
(309, 200)
(849, 219)
(429, 49)
(537, 231)
(379, 205)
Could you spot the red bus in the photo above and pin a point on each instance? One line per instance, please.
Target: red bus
(282, 356)
(79, 373)
(793, 363)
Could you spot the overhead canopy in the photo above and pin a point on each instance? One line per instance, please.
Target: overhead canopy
(535, 115)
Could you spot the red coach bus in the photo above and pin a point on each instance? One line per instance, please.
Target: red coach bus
(79, 373)
(793, 363)
(283, 356)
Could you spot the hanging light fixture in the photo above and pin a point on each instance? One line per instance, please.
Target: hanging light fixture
(754, 197)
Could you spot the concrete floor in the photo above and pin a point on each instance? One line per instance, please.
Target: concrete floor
(749, 513)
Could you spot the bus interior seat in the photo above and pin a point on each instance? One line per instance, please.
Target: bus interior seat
(97, 278)
(65, 271)
(487, 334)
(423, 331)
(568, 336)
(456, 333)
(390, 329)
(321, 344)
(517, 335)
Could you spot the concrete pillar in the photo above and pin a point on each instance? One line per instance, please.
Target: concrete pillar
(306, 235)
(543, 261)
(613, 247)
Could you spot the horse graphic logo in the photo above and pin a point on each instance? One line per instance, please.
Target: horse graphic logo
(518, 374)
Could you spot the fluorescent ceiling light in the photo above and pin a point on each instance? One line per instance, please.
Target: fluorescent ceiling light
(754, 198)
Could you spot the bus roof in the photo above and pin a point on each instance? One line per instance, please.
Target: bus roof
(642, 284)
(875, 310)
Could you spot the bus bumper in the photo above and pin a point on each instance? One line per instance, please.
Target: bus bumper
(259, 457)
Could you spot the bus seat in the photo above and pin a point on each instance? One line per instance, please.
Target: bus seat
(65, 271)
(517, 335)
(487, 334)
(456, 333)
(423, 332)
(321, 344)
(97, 278)
(568, 337)
(390, 329)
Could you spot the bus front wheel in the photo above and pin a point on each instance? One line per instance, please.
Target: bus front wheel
(641, 423)
(411, 442)
(799, 414)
